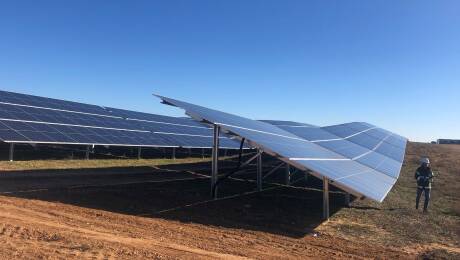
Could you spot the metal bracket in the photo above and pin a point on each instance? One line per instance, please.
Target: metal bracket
(273, 170)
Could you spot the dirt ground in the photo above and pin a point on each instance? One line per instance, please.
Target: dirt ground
(148, 209)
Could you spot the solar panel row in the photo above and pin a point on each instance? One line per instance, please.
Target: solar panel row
(358, 157)
(31, 119)
(29, 100)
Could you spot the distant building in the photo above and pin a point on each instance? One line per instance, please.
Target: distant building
(448, 141)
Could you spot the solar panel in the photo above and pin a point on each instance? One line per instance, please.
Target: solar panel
(327, 151)
(349, 144)
(286, 123)
(32, 119)
(180, 129)
(30, 100)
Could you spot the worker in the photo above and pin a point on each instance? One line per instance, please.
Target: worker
(424, 177)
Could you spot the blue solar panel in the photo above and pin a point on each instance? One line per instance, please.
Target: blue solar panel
(371, 137)
(360, 137)
(309, 133)
(26, 118)
(29, 100)
(141, 116)
(343, 153)
(286, 123)
(359, 141)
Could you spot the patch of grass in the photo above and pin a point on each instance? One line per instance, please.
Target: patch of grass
(93, 163)
(438, 254)
(395, 222)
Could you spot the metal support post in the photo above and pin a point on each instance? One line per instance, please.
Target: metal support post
(202, 153)
(325, 198)
(347, 199)
(259, 171)
(87, 152)
(288, 174)
(174, 153)
(190, 152)
(139, 152)
(11, 152)
(215, 160)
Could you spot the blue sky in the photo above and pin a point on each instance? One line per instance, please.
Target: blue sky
(395, 64)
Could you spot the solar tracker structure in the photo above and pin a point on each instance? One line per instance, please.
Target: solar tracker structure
(357, 157)
(32, 119)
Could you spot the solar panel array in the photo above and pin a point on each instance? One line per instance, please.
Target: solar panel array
(358, 157)
(33, 119)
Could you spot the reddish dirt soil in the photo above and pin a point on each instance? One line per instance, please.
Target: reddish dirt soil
(165, 213)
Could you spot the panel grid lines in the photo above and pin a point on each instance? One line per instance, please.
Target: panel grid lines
(33, 119)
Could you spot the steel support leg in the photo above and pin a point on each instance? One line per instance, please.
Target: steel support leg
(288, 174)
(325, 198)
(11, 157)
(87, 152)
(139, 153)
(347, 199)
(215, 160)
(174, 153)
(259, 172)
(202, 153)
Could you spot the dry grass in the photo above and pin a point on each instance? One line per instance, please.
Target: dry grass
(395, 222)
(90, 164)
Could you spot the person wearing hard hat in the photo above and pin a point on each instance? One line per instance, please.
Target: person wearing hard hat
(424, 177)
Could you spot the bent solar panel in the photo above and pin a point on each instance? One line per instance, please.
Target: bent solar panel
(32, 119)
(358, 157)
(362, 142)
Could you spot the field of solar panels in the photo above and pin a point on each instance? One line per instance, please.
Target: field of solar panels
(161, 208)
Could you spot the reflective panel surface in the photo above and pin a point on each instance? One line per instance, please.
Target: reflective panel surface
(359, 157)
(32, 119)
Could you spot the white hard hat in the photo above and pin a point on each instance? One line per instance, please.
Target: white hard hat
(425, 160)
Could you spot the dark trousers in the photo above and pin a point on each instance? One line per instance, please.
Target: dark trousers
(427, 197)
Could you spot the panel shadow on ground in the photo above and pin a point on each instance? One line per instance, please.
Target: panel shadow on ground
(147, 191)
